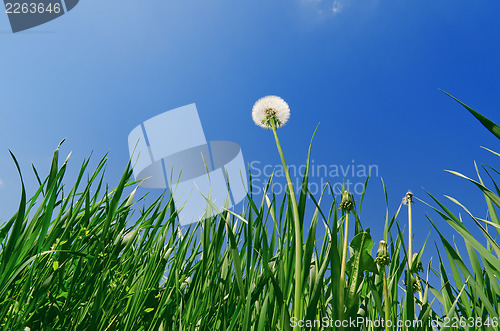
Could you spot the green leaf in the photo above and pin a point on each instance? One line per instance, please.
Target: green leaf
(488, 124)
(360, 262)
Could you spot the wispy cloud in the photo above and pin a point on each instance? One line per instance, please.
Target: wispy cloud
(1, 183)
(327, 6)
(337, 7)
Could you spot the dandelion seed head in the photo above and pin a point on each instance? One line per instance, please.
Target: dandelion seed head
(270, 109)
(408, 198)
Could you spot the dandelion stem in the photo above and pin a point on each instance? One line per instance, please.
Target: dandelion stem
(387, 300)
(410, 238)
(343, 267)
(298, 233)
(409, 287)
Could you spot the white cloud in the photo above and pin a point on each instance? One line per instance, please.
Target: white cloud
(337, 7)
(327, 6)
(1, 183)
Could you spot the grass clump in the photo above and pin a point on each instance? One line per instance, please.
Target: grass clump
(72, 261)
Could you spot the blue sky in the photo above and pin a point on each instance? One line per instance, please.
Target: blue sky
(368, 71)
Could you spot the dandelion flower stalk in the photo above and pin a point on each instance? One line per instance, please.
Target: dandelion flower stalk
(298, 233)
(408, 200)
(383, 259)
(387, 301)
(347, 203)
(272, 112)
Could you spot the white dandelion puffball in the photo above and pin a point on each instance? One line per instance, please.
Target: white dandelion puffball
(269, 109)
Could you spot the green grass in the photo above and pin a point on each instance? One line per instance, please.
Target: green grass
(68, 261)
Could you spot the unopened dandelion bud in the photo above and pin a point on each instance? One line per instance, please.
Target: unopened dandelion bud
(347, 202)
(383, 259)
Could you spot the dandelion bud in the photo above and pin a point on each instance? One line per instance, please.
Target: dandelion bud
(347, 202)
(383, 259)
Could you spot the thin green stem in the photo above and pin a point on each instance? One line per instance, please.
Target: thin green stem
(343, 267)
(410, 246)
(298, 233)
(410, 238)
(387, 301)
(411, 311)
